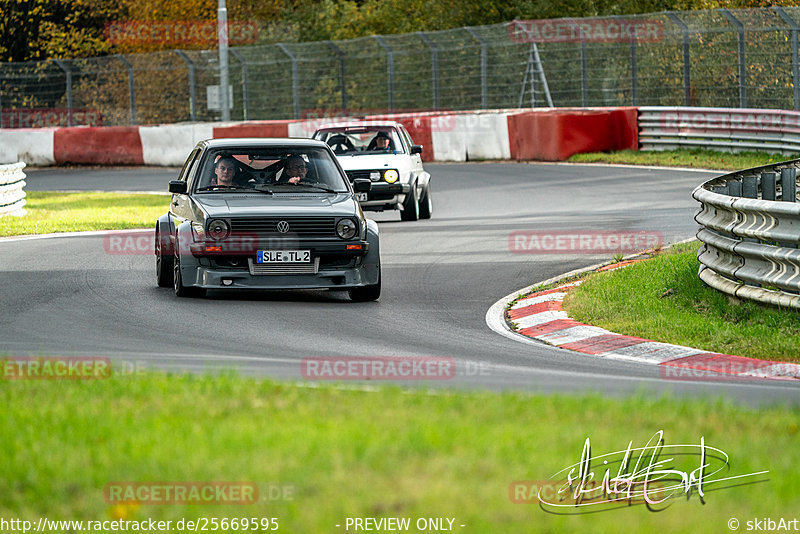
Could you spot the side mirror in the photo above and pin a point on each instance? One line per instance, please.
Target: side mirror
(362, 185)
(177, 186)
(416, 149)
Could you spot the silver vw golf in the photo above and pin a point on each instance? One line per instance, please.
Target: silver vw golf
(266, 214)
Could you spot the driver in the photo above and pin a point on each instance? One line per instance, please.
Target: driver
(224, 171)
(382, 141)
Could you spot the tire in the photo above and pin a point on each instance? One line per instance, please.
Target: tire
(164, 271)
(410, 206)
(180, 289)
(366, 293)
(426, 203)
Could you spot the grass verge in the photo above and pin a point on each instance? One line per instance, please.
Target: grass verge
(701, 159)
(49, 212)
(664, 300)
(386, 453)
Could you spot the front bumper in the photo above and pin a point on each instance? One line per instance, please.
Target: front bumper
(385, 195)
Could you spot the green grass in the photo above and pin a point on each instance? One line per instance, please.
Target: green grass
(664, 300)
(49, 212)
(353, 453)
(701, 159)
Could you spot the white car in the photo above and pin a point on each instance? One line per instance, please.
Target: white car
(395, 167)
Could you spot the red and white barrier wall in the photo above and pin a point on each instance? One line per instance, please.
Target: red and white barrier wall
(538, 134)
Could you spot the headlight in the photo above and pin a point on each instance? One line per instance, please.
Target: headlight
(391, 176)
(346, 228)
(218, 229)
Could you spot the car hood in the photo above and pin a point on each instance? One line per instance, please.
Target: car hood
(280, 204)
(371, 161)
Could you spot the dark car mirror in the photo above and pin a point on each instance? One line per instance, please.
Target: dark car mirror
(177, 186)
(362, 185)
(416, 149)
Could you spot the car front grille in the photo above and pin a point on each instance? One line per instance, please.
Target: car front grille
(302, 227)
(283, 268)
(352, 175)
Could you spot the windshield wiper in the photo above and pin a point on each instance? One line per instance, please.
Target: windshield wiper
(320, 187)
(210, 187)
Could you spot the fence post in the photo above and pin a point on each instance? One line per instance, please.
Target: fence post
(434, 67)
(342, 85)
(742, 65)
(131, 88)
(192, 101)
(584, 75)
(390, 61)
(245, 96)
(634, 65)
(484, 67)
(68, 72)
(795, 70)
(687, 94)
(295, 80)
(1, 98)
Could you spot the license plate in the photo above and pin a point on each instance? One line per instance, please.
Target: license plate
(362, 197)
(283, 256)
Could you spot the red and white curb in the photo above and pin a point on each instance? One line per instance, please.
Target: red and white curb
(539, 316)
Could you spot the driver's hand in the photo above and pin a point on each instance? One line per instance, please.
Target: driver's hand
(294, 180)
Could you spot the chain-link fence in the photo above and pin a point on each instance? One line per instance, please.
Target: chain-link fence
(717, 58)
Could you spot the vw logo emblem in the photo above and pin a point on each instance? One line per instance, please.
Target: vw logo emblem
(283, 227)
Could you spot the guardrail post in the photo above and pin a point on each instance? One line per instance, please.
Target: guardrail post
(742, 65)
(788, 185)
(687, 94)
(434, 67)
(749, 186)
(735, 189)
(131, 88)
(795, 69)
(342, 86)
(390, 61)
(768, 185)
(245, 95)
(295, 80)
(68, 72)
(484, 67)
(192, 101)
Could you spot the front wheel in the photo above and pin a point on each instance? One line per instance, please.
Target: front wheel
(180, 289)
(366, 293)
(426, 203)
(163, 261)
(410, 206)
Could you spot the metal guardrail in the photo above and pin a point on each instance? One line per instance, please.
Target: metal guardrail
(751, 233)
(12, 194)
(667, 128)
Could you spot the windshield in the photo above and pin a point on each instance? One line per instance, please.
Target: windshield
(358, 140)
(272, 170)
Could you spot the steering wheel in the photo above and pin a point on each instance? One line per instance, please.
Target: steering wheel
(340, 144)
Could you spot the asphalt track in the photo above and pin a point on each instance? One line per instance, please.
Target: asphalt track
(68, 297)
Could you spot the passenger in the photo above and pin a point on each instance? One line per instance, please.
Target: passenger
(294, 171)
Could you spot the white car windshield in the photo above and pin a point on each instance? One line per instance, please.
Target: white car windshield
(277, 170)
(360, 140)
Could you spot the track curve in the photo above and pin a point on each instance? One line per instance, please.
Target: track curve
(67, 296)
